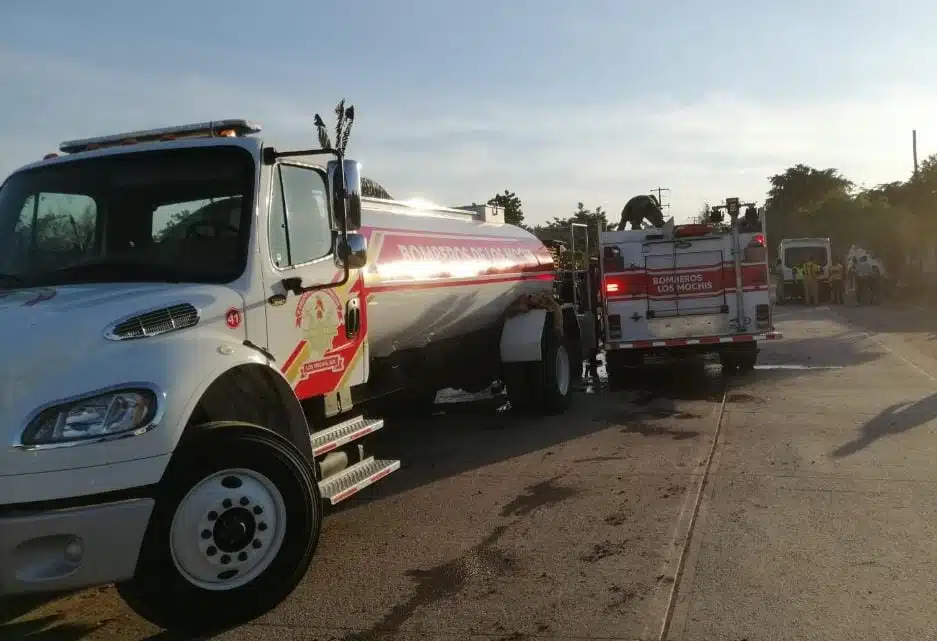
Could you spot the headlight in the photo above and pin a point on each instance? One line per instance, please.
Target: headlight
(93, 417)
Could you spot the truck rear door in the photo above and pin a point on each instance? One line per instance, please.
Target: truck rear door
(685, 277)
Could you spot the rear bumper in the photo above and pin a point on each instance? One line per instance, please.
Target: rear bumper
(695, 341)
(66, 549)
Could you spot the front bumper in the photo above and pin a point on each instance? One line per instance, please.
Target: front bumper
(70, 548)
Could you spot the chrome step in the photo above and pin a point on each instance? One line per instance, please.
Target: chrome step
(349, 482)
(334, 437)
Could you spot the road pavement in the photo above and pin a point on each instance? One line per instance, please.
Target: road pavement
(797, 502)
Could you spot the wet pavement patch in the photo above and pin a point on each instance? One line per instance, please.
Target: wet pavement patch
(623, 595)
(484, 561)
(539, 495)
(624, 416)
(604, 550)
(739, 397)
(657, 430)
(672, 490)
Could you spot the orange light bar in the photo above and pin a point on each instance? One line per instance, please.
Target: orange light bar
(692, 230)
(227, 128)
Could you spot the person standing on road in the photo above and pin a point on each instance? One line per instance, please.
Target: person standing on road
(864, 291)
(875, 284)
(797, 271)
(811, 284)
(836, 282)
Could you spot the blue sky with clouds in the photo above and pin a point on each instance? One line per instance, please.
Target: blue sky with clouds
(594, 100)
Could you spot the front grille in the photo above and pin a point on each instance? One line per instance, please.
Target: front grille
(160, 321)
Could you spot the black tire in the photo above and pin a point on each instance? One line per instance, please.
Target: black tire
(730, 363)
(622, 368)
(747, 361)
(160, 593)
(535, 387)
(409, 403)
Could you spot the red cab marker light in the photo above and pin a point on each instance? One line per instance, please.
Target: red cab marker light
(692, 230)
(232, 318)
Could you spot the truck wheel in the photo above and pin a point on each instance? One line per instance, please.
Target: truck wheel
(730, 363)
(233, 531)
(410, 403)
(543, 387)
(747, 360)
(622, 367)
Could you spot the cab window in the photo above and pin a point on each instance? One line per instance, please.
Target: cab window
(300, 226)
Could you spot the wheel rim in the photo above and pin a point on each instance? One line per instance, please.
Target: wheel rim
(228, 529)
(562, 370)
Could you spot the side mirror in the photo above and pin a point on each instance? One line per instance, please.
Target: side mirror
(353, 251)
(348, 207)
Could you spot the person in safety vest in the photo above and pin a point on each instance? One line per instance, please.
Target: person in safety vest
(836, 282)
(811, 284)
(797, 271)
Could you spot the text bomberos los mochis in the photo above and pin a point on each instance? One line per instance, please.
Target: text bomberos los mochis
(457, 253)
(682, 283)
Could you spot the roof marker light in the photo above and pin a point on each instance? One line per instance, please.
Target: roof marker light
(227, 128)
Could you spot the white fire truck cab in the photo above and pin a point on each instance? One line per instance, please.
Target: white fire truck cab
(197, 327)
(684, 289)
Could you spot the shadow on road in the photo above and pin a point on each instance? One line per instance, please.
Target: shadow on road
(893, 320)
(52, 627)
(896, 419)
(842, 350)
(462, 437)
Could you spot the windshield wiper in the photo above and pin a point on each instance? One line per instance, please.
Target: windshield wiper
(118, 270)
(11, 279)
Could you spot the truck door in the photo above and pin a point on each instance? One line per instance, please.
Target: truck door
(685, 277)
(318, 337)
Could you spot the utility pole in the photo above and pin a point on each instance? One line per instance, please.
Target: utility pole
(914, 148)
(660, 191)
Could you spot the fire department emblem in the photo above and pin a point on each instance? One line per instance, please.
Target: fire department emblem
(319, 319)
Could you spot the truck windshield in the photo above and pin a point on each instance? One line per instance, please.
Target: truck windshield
(794, 256)
(171, 216)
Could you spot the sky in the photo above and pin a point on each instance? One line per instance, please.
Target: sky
(561, 102)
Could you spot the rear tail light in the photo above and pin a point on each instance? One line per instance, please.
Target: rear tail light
(757, 241)
(621, 284)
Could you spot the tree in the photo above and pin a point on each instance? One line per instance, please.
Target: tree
(344, 120)
(894, 220)
(797, 193)
(558, 229)
(702, 217)
(513, 208)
